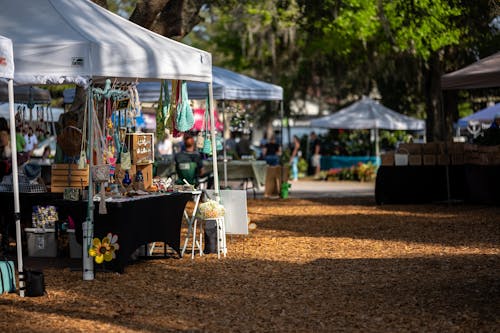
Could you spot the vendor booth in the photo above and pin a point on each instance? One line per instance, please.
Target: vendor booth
(367, 114)
(227, 86)
(55, 44)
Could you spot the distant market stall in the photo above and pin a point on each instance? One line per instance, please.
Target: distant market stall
(369, 114)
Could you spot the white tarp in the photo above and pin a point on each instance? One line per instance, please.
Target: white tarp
(6, 59)
(368, 114)
(58, 41)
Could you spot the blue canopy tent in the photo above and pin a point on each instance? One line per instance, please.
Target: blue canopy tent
(483, 116)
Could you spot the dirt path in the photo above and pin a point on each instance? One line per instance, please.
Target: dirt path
(317, 265)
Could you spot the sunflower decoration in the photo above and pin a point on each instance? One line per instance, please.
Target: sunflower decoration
(104, 250)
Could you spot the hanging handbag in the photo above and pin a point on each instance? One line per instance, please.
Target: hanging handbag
(218, 142)
(185, 117)
(82, 160)
(7, 277)
(200, 140)
(207, 142)
(125, 160)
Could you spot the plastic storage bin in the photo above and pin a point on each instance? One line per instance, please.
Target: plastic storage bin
(41, 242)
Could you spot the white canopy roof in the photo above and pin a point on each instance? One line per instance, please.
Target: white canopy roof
(6, 59)
(368, 114)
(227, 85)
(57, 41)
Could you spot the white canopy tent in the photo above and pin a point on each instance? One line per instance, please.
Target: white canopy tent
(368, 114)
(7, 72)
(64, 41)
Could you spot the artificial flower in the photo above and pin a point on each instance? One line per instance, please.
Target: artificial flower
(104, 250)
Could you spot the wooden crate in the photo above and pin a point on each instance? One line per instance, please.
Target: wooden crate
(429, 159)
(443, 159)
(457, 159)
(412, 148)
(455, 147)
(146, 169)
(414, 159)
(68, 175)
(473, 157)
(141, 147)
(387, 159)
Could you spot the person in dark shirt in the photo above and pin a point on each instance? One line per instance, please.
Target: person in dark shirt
(271, 152)
(185, 157)
(243, 146)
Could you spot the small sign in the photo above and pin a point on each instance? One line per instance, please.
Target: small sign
(77, 61)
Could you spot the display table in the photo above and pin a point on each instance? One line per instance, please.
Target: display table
(334, 162)
(425, 184)
(27, 201)
(136, 221)
(241, 170)
(418, 184)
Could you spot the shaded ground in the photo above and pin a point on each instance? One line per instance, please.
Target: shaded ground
(312, 265)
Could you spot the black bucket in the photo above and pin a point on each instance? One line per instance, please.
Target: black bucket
(35, 283)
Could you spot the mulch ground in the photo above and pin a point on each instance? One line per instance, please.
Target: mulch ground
(318, 265)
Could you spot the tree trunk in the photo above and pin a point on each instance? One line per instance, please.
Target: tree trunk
(435, 123)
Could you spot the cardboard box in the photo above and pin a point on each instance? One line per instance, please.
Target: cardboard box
(387, 159)
(75, 248)
(41, 242)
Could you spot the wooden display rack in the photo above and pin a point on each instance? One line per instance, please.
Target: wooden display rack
(68, 175)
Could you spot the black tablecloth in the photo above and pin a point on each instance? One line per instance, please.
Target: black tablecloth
(136, 222)
(141, 221)
(419, 184)
(27, 201)
(425, 184)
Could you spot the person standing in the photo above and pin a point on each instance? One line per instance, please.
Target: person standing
(315, 151)
(31, 142)
(271, 152)
(294, 158)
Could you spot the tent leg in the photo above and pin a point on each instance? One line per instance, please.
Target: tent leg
(15, 185)
(88, 225)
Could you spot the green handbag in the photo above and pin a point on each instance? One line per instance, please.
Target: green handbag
(185, 117)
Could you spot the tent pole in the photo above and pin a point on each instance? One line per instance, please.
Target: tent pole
(377, 147)
(224, 141)
(88, 225)
(15, 185)
(212, 134)
(281, 144)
